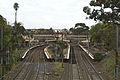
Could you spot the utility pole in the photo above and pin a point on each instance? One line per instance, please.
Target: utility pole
(57, 35)
(62, 51)
(8, 55)
(88, 43)
(56, 53)
(29, 39)
(116, 66)
(106, 59)
(2, 50)
(55, 56)
(44, 76)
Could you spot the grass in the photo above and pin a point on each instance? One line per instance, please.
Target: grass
(111, 64)
(59, 66)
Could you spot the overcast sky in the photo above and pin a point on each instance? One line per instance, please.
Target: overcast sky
(57, 14)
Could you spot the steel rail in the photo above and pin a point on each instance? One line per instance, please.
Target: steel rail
(38, 69)
(78, 68)
(20, 70)
(86, 70)
(30, 68)
(29, 73)
(86, 59)
(22, 66)
(66, 65)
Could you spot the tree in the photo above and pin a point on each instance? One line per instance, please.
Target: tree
(80, 28)
(103, 33)
(2, 20)
(94, 31)
(15, 6)
(50, 31)
(2, 23)
(107, 11)
(82, 25)
(20, 28)
(65, 31)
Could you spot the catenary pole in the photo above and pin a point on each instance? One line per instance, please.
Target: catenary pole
(116, 66)
(62, 51)
(2, 50)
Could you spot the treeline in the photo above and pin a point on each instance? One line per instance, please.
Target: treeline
(44, 31)
(12, 35)
(13, 41)
(104, 34)
(80, 28)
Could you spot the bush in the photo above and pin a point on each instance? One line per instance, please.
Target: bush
(98, 56)
(62, 44)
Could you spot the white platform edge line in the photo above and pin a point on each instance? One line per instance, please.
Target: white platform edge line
(86, 51)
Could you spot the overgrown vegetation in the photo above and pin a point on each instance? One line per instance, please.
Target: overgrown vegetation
(98, 56)
(13, 42)
(104, 32)
(61, 45)
(43, 31)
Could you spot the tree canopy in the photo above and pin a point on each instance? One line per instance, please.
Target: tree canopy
(80, 28)
(104, 33)
(9, 33)
(104, 11)
(15, 6)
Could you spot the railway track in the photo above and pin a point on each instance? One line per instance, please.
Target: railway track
(77, 64)
(87, 70)
(35, 67)
(67, 71)
(25, 68)
(34, 72)
(40, 71)
(94, 75)
(13, 74)
(65, 76)
(81, 66)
